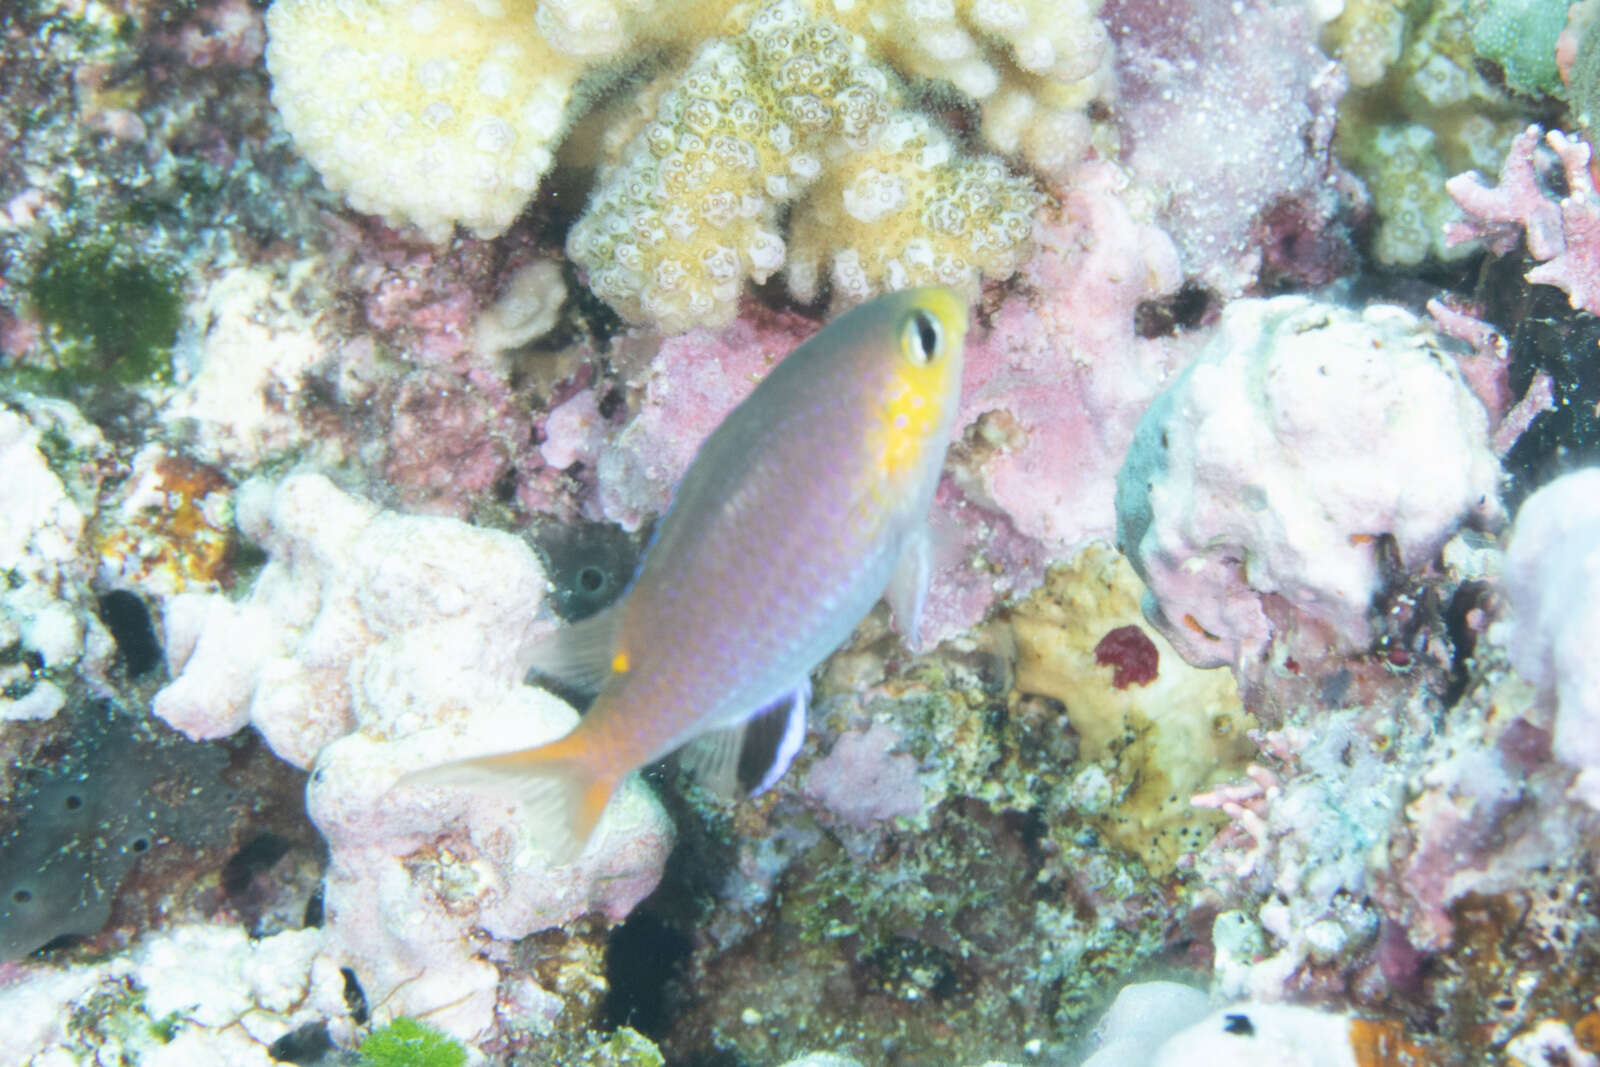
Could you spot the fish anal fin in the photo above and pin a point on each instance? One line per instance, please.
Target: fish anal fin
(712, 760)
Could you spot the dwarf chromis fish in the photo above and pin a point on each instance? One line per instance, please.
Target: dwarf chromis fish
(798, 513)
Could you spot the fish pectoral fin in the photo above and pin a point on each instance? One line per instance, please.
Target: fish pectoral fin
(580, 655)
(757, 750)
(562, 799)
(908, 589)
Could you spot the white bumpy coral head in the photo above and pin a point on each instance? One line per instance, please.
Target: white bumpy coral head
(433, 112)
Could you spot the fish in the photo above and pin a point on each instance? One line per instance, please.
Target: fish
(802, 509)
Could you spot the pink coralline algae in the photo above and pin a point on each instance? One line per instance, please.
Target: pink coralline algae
(449, 441)
(862, 781)
(1227, 111)
(1563, 234)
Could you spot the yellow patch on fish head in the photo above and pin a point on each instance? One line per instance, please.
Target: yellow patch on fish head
(925, 379)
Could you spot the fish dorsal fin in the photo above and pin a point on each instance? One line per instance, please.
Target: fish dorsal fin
(579, 655)
(908, 589)
(758, 749)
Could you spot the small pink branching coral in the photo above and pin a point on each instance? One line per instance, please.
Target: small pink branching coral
(1563, 235)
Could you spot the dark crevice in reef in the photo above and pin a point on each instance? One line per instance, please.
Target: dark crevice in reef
(128, 619)
(644, 957)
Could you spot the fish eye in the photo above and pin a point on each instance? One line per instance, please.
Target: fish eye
(922, 338)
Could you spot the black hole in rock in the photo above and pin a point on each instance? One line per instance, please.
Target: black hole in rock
(354, 997)
(129, 622)
(591, 579)
(611, 403)
(256, 855)
(21, 896)
(141, 844)
(303, 1045)
(74, 802)
(312, 919)
(642, 960)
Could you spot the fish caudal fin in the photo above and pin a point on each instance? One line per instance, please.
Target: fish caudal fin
(561, 795)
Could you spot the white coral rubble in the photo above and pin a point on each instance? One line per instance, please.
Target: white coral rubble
(371, 645)
(44, 599)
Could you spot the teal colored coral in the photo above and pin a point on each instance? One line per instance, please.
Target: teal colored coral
(408, 1043)
(1520, 35)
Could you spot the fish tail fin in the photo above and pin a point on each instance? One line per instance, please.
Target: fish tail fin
(562, 793)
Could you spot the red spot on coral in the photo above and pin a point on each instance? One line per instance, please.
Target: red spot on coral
(1131, 653)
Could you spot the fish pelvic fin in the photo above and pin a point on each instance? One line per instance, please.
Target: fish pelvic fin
(561, 793)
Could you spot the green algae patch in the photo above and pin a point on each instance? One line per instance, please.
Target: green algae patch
(111, 317)
(408, 1043)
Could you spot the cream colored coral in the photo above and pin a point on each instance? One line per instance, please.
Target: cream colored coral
(788, 102)
(431, 112)
(691, 212)
(912, 211)
(1031, 65)
(1367, 37)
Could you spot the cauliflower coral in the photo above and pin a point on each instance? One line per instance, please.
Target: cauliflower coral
(692, 210)
(438, 112)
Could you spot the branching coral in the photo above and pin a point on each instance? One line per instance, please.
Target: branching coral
(1563, 234)
(1423, 109)
(760, 115)
(435, 112)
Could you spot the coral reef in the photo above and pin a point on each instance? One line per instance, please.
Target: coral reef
(1562, 234)
(776, 106)
(431, 113)
(1144, 747)
(1423, 108)
(192, 994)
(270, 461)
(1193, 75)
(47, 627)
